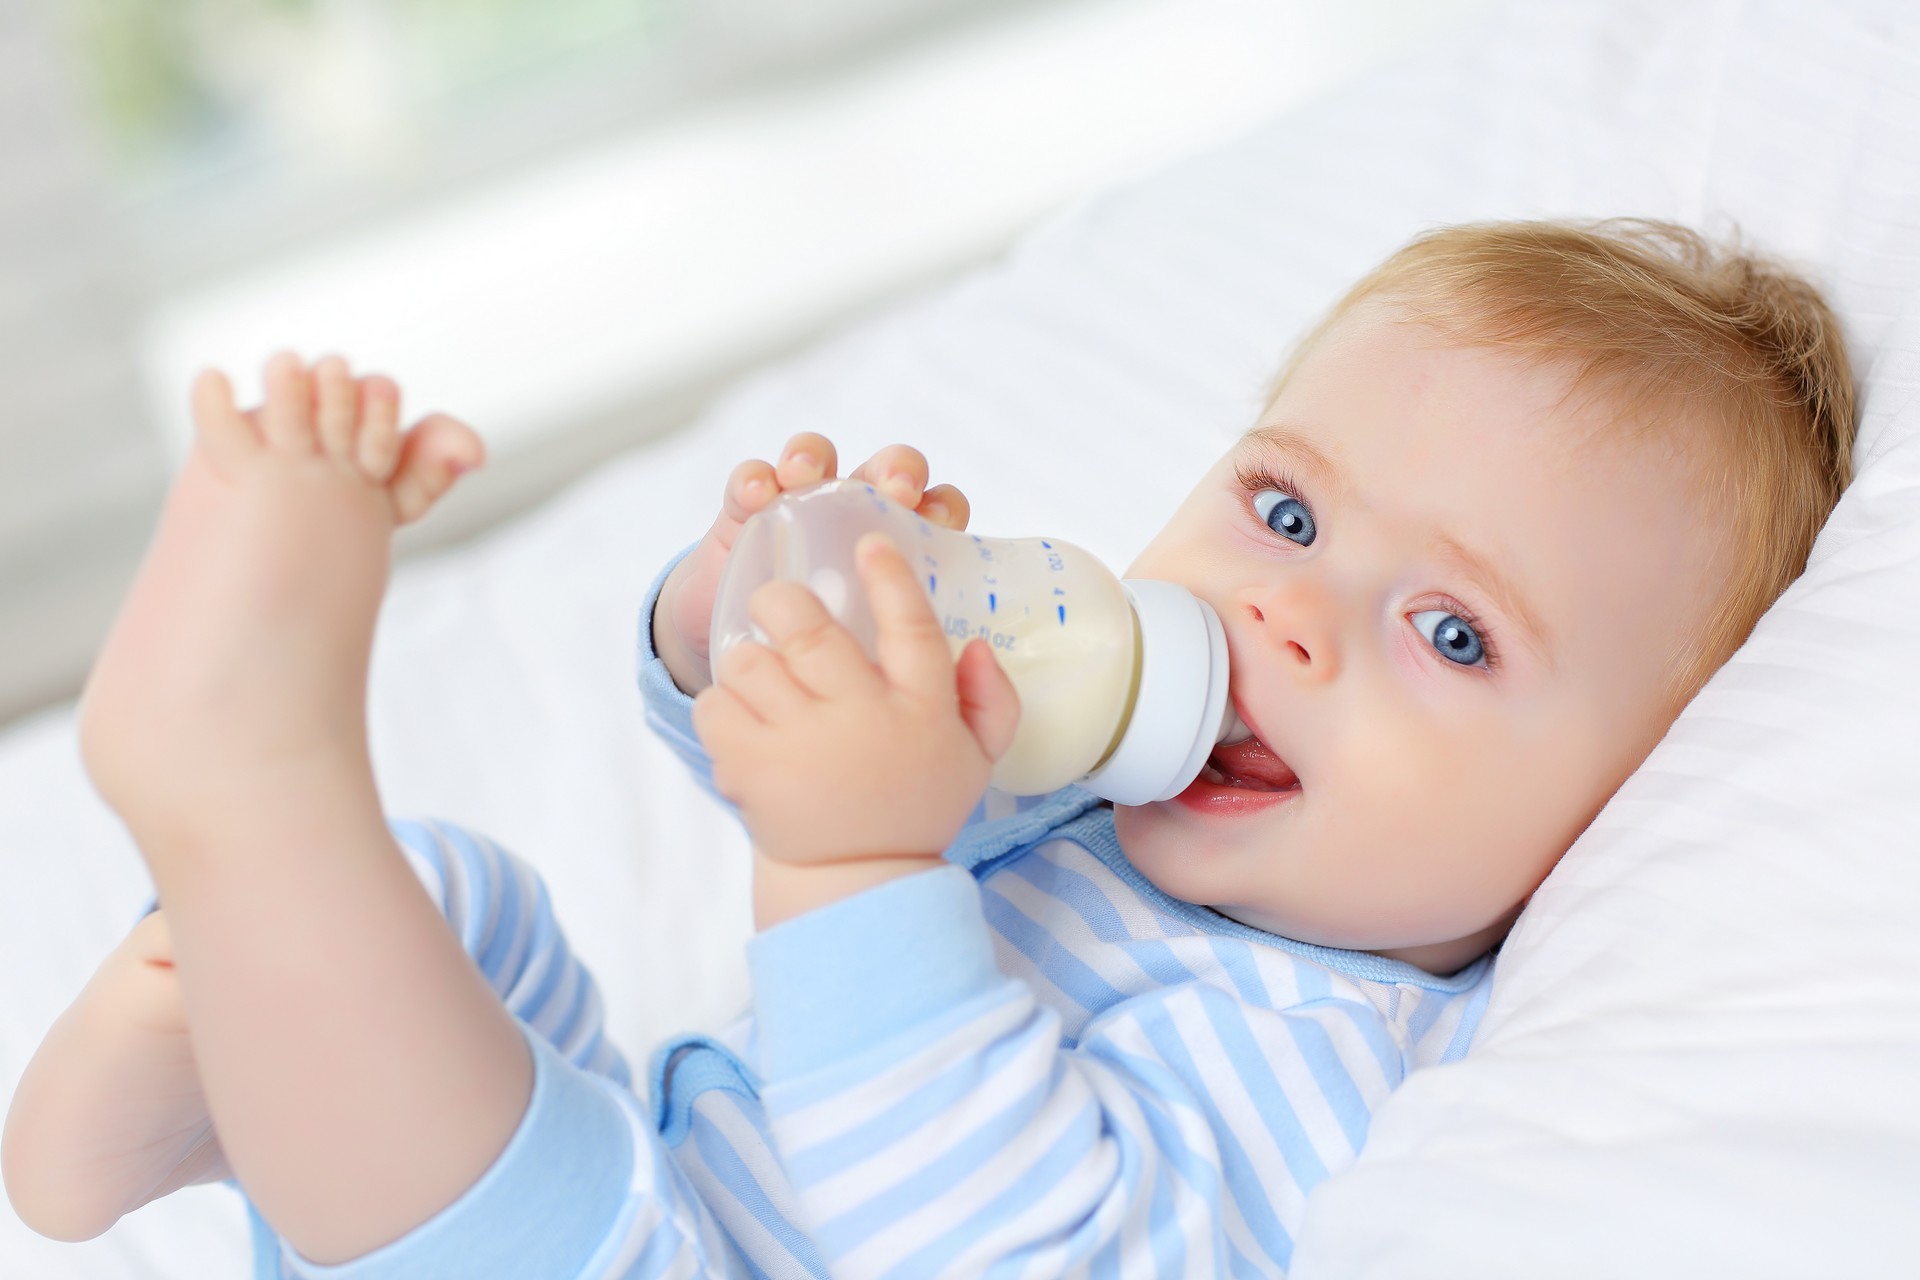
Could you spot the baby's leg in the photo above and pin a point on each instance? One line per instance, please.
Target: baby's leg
(359, 1071)
(109, 1114)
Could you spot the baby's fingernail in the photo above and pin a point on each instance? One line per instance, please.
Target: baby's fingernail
(936, 511)
(805, 461)
(753, 488)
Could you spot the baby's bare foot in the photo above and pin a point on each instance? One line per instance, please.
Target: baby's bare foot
(243, 645)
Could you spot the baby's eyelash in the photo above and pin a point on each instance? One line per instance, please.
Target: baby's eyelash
(1252, 477)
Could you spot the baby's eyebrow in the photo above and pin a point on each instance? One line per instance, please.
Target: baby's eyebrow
(1326, 474)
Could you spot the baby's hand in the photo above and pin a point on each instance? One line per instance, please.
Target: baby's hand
(833, 759)
(684, 614)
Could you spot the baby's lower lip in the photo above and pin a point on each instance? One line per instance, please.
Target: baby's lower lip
(1222, 800)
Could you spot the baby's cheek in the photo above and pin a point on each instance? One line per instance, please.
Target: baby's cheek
(1507, 825)
(1423, 801)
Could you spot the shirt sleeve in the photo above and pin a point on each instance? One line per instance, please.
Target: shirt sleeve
(934, 1122)
(669, 711)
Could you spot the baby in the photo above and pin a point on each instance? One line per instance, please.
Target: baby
(1507, 509)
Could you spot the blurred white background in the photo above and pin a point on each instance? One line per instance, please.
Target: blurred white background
(568, 221)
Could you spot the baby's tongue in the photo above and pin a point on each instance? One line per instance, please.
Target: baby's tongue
(1249, 764)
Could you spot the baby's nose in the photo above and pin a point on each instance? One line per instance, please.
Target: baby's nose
(1295, 619)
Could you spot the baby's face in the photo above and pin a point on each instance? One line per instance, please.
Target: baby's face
(1456, 635)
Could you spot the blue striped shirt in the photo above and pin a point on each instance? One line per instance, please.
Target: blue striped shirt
(1030, 1062)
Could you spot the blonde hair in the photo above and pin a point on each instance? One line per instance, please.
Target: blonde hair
(1656, 318)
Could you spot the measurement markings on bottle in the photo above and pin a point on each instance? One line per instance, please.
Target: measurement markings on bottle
(962, 629)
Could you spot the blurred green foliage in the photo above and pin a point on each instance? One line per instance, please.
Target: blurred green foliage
(168, 75)
(137, 64)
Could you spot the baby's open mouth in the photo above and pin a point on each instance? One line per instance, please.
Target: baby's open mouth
(1249, 764)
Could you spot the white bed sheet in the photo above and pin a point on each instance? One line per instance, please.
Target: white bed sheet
(1705, 1033)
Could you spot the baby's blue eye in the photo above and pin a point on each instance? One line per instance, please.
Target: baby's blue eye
(1451, 635)
(1285, 515)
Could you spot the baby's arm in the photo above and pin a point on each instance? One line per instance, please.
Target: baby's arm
(110, 1113)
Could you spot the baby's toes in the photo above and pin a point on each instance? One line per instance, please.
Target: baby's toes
(287, 417)
(377, 444)
(228, 435)
(435, 452)
(336, 406)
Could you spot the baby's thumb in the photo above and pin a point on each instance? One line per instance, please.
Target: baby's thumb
(987, 701)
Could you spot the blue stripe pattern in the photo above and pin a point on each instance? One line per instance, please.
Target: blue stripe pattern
(1213, 1083)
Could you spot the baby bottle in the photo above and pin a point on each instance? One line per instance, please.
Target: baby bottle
(1122, 684)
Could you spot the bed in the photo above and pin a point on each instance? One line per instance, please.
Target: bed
(1702, 1052)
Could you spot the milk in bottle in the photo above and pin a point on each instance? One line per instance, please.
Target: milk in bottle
(1123, 685)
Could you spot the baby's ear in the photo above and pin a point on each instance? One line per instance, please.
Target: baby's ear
(988, 702)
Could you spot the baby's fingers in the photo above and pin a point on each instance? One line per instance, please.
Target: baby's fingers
(913, 649)
(759, 678)
(988, 701)
(750, 486)
(899, 471)
(808, 458)
(946, 506)
(823, 656)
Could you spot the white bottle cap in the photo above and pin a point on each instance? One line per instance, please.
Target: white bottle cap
(1178, 713)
